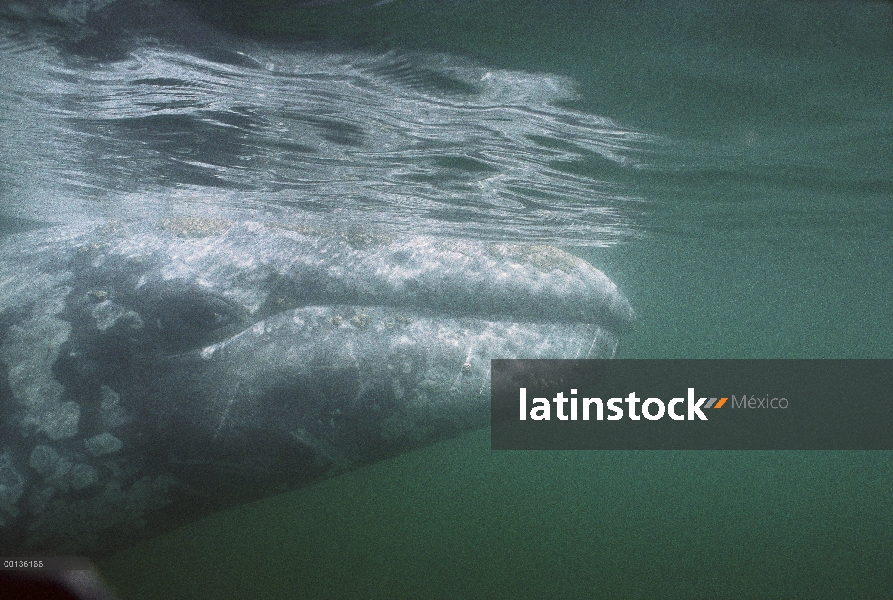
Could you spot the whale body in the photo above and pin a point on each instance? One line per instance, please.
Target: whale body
(152, 372)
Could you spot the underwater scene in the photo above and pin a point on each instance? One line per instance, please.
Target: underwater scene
(256, 256)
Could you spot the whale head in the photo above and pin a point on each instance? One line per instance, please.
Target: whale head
(153, 372)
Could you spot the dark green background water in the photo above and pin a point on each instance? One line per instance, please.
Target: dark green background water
(764, 231)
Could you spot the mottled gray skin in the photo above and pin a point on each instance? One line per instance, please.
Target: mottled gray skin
(153, 372)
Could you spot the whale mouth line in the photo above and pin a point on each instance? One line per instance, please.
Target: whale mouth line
(391, 318)
(351, 309)
(192, 292)
(387, 333)
(193, 318)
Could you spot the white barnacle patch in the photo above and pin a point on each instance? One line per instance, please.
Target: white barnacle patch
(208, 351)
(102, 444)
(82, 476)
(259, 328)
(106, 314)
(30, 350)
(361, 321)
(61, 421)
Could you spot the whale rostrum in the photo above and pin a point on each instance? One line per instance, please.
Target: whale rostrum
(152, 372)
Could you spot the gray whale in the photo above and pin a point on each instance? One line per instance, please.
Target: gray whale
(153, 372)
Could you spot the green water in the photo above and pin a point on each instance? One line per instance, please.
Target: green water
(458, 521)
(765, 231)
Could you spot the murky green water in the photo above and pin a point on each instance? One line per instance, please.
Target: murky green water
(458, 521)
(758, 226)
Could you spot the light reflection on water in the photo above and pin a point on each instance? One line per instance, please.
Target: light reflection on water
(407, 141)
